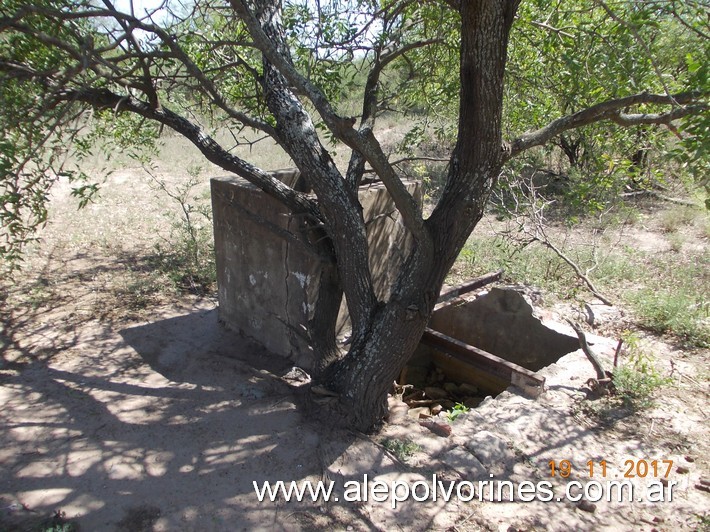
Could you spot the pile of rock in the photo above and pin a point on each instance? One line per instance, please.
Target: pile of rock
(439, 395)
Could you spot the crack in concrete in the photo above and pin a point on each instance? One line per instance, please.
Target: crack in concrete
(289, 325)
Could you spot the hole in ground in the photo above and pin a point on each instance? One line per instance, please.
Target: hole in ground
(500, 322)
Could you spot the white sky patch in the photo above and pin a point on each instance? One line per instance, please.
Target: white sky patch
(140, 7)
(157, 12)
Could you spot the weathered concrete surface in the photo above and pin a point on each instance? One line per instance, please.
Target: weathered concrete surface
(268, 285)
(501, 322)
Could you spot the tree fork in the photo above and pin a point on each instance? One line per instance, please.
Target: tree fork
(365, 376)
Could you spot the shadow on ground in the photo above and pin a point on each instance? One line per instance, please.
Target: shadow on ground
(163, 426)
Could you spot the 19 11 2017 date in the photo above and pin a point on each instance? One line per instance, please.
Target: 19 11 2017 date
(631, 468)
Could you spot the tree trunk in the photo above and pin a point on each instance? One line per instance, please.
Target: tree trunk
(321, 327)
(365, 376)
(386, 333)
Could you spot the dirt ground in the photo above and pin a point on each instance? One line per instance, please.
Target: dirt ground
(130, 411)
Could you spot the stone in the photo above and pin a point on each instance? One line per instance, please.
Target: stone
(472, 402)
(439, 428)
(586, 506)
(297, 376)
(433, 392)
(492, 451)
(465, 463)
(468, 389)
(419, 412)
(596, 314)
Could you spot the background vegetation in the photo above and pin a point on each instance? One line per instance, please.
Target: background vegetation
(599, 184)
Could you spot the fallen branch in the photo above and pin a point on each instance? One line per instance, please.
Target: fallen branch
(538, 233)
(469, 286)
(658, 195)
(581, 275)
(617, 353)
(591, 355)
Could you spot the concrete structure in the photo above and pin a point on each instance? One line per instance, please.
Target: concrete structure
(267, 284)
(500, 323)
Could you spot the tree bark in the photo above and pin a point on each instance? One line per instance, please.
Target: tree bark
(365, 375)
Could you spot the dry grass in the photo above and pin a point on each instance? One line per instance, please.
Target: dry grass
(130, 246)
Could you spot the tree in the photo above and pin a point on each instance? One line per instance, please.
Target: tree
(278, 69)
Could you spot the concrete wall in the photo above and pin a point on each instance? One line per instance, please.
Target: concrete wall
(502, 322)
(266, 284)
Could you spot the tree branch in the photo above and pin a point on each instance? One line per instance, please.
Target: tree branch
(105, 99)
(656, 118)
(546, 26)
(609, 110)
(129, 23)
(356, 167)
(363, 142)
(634, 31)
(148, 85)
(591, 355)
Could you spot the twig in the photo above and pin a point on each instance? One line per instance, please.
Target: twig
(601, 374)
(617, 353)
(576, 268)
(538, 234)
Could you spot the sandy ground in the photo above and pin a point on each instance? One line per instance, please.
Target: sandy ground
(153, 417)
(165, 426)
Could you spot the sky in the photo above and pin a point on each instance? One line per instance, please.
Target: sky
(140, 6)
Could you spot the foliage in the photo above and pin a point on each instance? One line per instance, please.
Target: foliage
(672, 299)
(538, 266)
(683, 313)
(402, 449)
(637, 377)
(564, 59)
(458, 409)
(39, 134)
(188, 256)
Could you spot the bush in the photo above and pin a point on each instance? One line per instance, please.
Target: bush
(402, 449)
(677, 312)
(636, 380)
